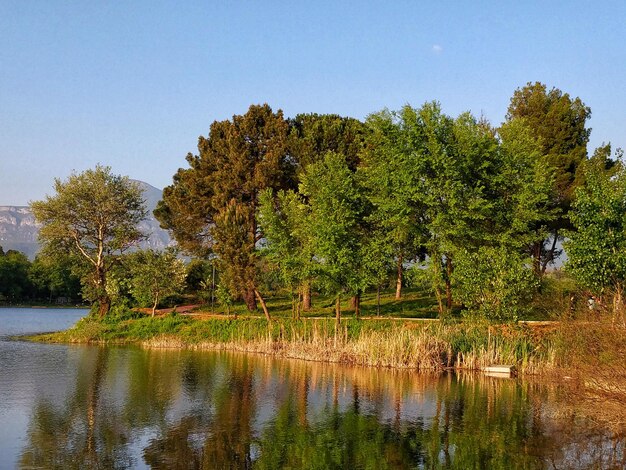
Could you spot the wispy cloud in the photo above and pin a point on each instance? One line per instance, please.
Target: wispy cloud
(437, 48)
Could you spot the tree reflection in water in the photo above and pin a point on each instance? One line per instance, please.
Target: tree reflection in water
(185, 409)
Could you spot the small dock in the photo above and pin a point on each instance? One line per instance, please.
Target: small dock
(499, 370)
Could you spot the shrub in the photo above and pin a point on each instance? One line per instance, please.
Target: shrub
(494, 282)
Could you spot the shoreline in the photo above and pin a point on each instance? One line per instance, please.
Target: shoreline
(545, 352)
(398, 343)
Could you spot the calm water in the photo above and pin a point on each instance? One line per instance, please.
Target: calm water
(123, 407)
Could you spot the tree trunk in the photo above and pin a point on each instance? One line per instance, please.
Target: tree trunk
(156, 302)
(399, 280)
(355, 303)
(306, 296)
(550, 254)
(436, 266)
(378, 300)
(101, 285)
(263, 305)
(448, 283)
(250, 300)
(104, 305)
(536, 254)
(338, 309)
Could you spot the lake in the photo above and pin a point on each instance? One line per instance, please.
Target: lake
(68, 406)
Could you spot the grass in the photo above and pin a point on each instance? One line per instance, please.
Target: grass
(413, 304)
(382, 343)
(393, 339)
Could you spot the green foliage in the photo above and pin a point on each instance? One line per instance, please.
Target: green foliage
(392, 175)
(311, 136)
(199, 276)
(235, 247)
(285, 223)
(212, 204)
(597, 246)
(419, 276)
(494, 282)
(335, 224)
(557, 124)
(155, 275)
(54, 277)
(14, 278)
(93, 217)
(223, 297)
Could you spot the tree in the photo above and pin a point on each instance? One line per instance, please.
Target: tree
(597, 244)
(284, 220)
(557, 122)
(155, 275)
(93, 216)
(493, 282)
(456, 162)
(14, 280)
(238, 159)
(391, 172)
(235, 247)
(54, 277)
(311, 136)
(335, 223)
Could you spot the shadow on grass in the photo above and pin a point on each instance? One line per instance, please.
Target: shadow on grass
(413, 304)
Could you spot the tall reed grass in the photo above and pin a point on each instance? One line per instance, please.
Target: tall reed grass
(380, 343)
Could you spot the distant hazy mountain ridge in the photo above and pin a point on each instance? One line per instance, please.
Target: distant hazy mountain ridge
(18, 229)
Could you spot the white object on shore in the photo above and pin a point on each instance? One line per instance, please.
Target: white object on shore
(499, 370)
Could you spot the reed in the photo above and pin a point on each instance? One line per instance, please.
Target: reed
(378, 343)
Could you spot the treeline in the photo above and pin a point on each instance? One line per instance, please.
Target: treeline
(330, 204)
(333, 204)
(39, 280)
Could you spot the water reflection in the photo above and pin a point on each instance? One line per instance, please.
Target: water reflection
(183, 409)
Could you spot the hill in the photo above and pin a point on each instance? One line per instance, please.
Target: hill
(19, 231)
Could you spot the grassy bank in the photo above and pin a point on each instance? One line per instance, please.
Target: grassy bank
(383, 343)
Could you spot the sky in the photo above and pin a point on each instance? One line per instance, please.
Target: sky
(132, 85)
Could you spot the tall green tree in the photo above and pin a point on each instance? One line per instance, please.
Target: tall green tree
(284, 219)
(392, 173)
(459, 160)
(558, 123)
(336, 213)
(238, 159)
(311, 136)
(596, 247)
(93, 216)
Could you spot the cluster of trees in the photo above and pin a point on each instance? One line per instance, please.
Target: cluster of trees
(90, 226)
(22, 279)
(334, 204)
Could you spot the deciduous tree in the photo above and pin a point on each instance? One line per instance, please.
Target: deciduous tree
(558, 123)
(336, 214)
(597, 244)
(94, 216)
(155, 275)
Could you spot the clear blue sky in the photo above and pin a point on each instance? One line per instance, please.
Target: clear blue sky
(133, 84)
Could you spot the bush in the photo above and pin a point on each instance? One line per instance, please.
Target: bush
(494, 283)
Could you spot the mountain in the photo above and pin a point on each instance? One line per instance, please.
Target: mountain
(18, 229)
